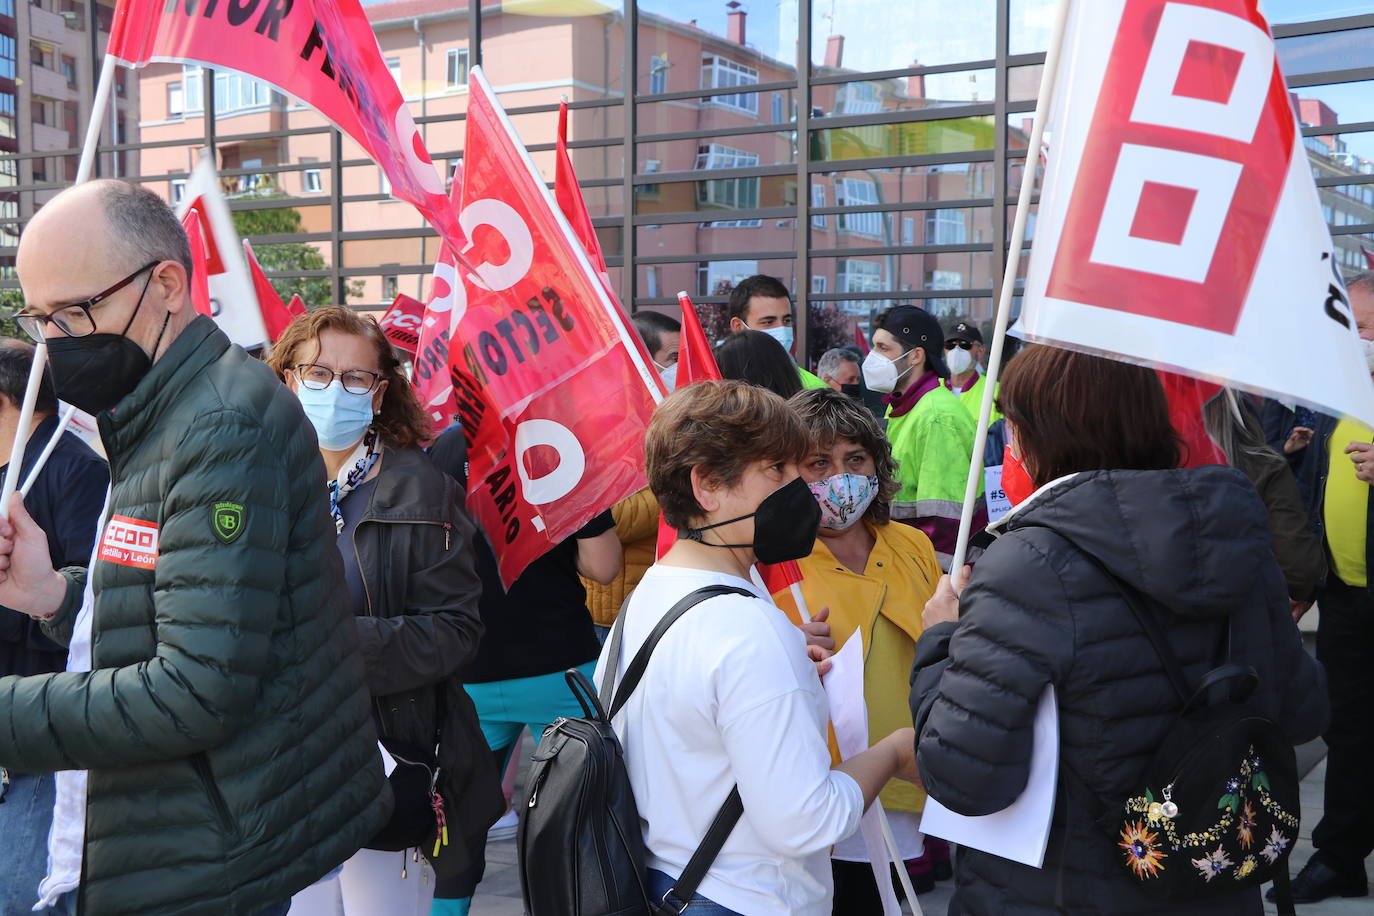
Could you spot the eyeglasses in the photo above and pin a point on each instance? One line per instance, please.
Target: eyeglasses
(318, 378)
(961, 344)
(75, 320)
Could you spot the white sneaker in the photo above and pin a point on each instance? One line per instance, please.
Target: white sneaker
(504, 829)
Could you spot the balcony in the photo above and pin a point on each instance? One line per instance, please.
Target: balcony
(49, 139)
(48, 83)
(47, 26)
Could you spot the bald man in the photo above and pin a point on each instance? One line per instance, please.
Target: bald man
(212, 728)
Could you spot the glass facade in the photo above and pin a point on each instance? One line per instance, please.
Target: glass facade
(865, 152)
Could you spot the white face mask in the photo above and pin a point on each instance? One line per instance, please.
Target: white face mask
(880, 373)
(959, 360)
(1368, 352)
(844, 498)
(782, 334)
(668, 374)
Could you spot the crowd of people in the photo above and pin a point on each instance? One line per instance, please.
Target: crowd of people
(257, 658)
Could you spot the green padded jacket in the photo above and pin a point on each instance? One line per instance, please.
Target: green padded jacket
(227, 725)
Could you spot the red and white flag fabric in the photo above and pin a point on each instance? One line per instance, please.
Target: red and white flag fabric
(233, 301)
(1179, 225)
(552, 392)
(323, 52)
(275, 313)
(192, 221)
(401, 323)
(296, 306)
(1368, 258)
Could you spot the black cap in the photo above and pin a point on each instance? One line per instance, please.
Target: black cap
(918, 328)
(965, 331)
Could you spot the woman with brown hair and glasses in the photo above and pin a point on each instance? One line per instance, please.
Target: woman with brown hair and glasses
(1102, 518)
(407, 550)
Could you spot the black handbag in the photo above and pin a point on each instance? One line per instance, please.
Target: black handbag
(418, 813)
(581, 850)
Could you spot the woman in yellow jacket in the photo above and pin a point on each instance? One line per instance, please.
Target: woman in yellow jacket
(874, 577)
(636, 524)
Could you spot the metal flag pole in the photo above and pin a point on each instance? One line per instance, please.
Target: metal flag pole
(40, 350)
(1018, 238)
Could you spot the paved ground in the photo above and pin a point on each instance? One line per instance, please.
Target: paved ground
(499, 894)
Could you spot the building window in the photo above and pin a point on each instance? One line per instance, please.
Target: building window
(121, 85)
(310, 179)
(946, 227)
(234, 93)
(384, 185)
(818, 283)
(858, 98)
(777, 108)
(178, 190)
(176, 100)
(717, 278)
(658, 74)
(451, 171)
(720, 73)
(457, 69)
(69, 70)
(855, 276)
(818, 200)
(652, 281)
(908, 231)
(728, 193)
(858, 192)
(393, 66)
(945, 279)
(391, 287)
(194, 86)
(7, 56)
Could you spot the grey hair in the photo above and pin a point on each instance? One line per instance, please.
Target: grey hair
(1363, 280)
(1238, 437)
(142, 227)
(831, 359)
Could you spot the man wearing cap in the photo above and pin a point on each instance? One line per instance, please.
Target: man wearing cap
(931, 434)
(964, 352)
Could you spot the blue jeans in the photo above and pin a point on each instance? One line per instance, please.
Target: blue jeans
(660, 884)
(25, 818)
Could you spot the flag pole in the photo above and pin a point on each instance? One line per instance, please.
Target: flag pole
(62, 423)
(40, 350)
(889, 840)
(1018, 238)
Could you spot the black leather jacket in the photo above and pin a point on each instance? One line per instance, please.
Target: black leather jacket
(413, 548)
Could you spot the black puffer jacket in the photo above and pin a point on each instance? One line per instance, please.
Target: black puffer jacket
(1038, 611)
(414, 547)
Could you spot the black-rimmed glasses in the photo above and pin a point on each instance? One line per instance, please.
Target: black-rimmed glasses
(961, 344)
(74, 320)
(318, 378)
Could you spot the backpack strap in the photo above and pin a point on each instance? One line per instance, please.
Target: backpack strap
(640, 662)
(685, 888)
(1150, 625)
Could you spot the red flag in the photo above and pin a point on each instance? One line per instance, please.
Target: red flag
(570, 200)
(860, 340)
(296, 306)
(1186, 397)
(323, 52)
(552, 391)
(200, 264)
(275, 315)
(401, 323)
(446, 305)
(1368, 257)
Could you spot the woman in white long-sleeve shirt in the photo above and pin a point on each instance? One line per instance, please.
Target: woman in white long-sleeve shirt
(732, 694)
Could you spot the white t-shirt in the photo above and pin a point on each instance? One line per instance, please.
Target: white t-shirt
(730, 697)
(67, 836)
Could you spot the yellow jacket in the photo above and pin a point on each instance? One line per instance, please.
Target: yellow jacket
(636, 524)
(884, 605)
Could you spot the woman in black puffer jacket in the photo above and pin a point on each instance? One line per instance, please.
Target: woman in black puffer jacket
(1094, 437)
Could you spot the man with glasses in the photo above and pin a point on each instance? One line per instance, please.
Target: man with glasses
(212, 731)
(964, 354)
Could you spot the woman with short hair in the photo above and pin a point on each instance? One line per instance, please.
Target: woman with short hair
(1101, 513)
(730, 696)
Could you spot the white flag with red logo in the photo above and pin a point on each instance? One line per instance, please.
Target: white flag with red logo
(1179, 225)
(233, 298)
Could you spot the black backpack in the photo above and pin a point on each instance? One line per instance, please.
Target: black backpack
(1217, 807)
(581, 850)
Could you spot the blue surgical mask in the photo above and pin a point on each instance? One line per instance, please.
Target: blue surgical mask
(340, 417)
(782, 334)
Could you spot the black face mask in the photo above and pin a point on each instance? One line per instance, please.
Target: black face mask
(854, 392)
(95, 372)
(785, 525)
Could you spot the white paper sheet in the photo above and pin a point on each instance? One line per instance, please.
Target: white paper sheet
(388, 761)
(1018, 832)
(997, 501)
(844, 690)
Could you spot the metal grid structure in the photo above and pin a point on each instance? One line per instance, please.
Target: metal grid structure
(1347, 41)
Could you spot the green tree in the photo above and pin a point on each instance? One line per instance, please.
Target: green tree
(11, 301)
(289, 256)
